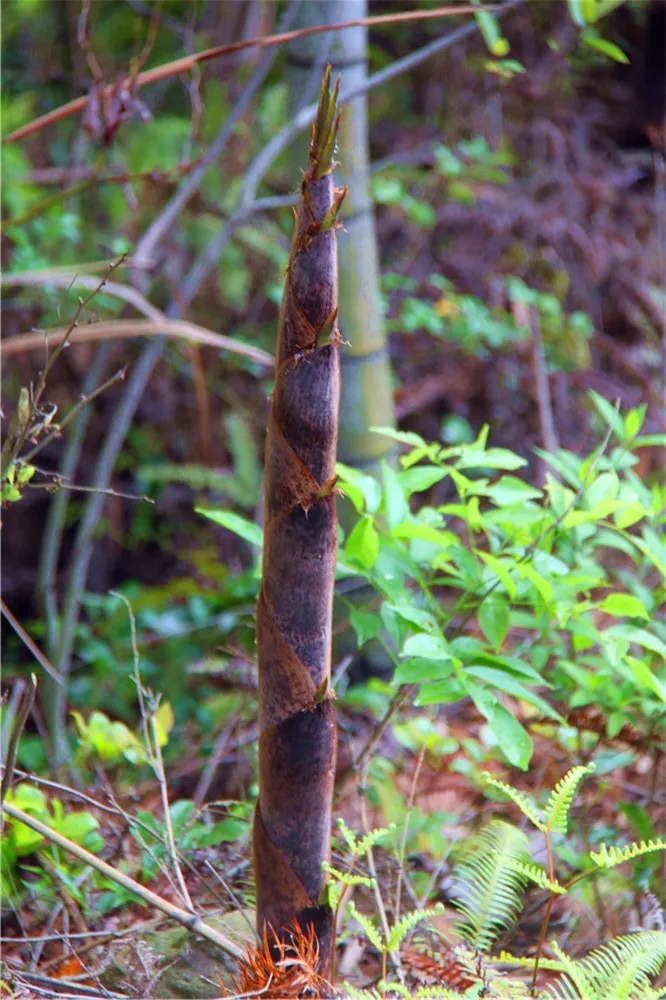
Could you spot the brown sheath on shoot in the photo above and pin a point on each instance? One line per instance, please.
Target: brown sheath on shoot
(297, 730)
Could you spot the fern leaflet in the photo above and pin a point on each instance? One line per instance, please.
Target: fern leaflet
(346, 878)
(488, 883)
(537, 875)
(623, 967)
(373, 935)
(525, 804)
(561, 797)
(400, 930)
(608, 857)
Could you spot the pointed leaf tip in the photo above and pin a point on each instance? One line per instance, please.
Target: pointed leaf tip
(325, 127)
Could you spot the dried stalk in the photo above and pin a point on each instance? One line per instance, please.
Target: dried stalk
(192, 921)
(121, 329)
(187, 63)
(297, 730)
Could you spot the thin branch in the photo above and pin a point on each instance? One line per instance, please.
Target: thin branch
(186, 63)
(158, 768)
(372, 868)
(168, 215)
(72, 278)
(30, 644)
(75, 410)
(21, 718)
(84, 539)
(16, 437)
(67, 175)
(122, 329)
(11, 707)
(219, 750)
(544, 401)
(405, 832)
(191, 921)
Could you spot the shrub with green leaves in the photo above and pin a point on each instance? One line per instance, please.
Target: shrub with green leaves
(498, 589)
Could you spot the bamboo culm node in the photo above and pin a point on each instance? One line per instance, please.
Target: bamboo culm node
(297, 729)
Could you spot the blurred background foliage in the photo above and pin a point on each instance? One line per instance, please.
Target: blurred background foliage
(514, 180)
(498, 189)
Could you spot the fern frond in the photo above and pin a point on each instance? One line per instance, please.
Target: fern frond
(372, 838)
(526, 805)
(348, 835)
(435, 993)
(621, 969)
(608, 857)
(577, 976)
(506, 958)
(537, 875)
(372, 934)
(346, 878)
(354, 993)
(488, 883)
(394, 989)
(561, 797)
(624, 966)
(400, 930)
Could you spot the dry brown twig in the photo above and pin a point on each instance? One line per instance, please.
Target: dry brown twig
(191, 921)
(187, 63)
(24, 423)
(123, 329)
(22, 714)
(30, 644)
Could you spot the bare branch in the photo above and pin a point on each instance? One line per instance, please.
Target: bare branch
(191, 921)
(30, 644)
(186, 63)
(122, 329)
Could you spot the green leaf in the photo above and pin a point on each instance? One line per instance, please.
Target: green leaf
(363, 543)
(420, 478)
(493, 618)
(363, 490)
(404, 437)
(492, 36)
(417, 616)
(630, 513)
(510, 490)
(634, 420)
(396, 507)
(240, 526)
(429, 647)
(646, 677)
(418, 671)
(502, 681)
(624, 605)
(543, 586)
(164, 720)
(493, 458)
(77, 826)
(513, 739)
(365, 624)
(424, 533)
(597, 513)
(609, 413)
(440, 692)
(640, 636)
(594, 41)
(501, 570)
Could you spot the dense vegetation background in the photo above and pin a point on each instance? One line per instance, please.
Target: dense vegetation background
(511, 617)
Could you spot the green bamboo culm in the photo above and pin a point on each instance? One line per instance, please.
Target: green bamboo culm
(366, 386)
(297, 728)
